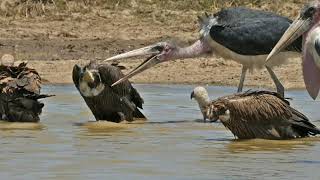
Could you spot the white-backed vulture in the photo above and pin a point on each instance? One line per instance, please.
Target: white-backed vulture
(260, 114)
(19, 93)
(114, 104)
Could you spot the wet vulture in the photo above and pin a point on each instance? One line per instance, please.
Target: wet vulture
(260, 114)
(19, 94)
(115, 104)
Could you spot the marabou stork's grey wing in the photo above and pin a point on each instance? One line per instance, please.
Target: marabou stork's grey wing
(76, 75)
(252, 36)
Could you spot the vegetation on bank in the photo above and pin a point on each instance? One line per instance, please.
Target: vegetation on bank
(42, 8)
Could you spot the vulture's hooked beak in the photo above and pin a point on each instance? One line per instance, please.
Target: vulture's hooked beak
(295, 30)
(192, 95)
(153, 51)
(88, 77)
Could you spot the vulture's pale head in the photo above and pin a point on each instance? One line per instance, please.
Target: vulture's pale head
(200, 94)
(7, 60)
(90, 83)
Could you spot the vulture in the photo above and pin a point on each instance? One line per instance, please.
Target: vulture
(19, 93)
(260, 114)
(200, 94)
(114, 104)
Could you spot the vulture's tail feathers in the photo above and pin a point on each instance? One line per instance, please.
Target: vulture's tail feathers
(138, 114)
(302, 124)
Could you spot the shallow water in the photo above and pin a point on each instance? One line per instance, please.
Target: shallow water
(172, 144)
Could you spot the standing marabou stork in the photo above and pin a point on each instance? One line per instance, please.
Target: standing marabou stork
(244, 35)
(308, 25)
(108, 103)
(260, 114)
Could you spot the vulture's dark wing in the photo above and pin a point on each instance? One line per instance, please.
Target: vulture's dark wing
(76, 75)
(109, 75)
(136, 98)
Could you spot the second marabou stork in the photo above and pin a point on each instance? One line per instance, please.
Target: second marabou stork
(307, 25)
(244, 35)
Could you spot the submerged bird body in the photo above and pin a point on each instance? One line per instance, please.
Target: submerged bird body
(107, 103)
(244, 35)
(19, 94)
(260, 114)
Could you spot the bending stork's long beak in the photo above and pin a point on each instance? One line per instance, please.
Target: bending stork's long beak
(145, 51)
(295, 30)
(153, 50)
(148, 63)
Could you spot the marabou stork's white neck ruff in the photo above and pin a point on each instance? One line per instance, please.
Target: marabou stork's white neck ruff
(200, 94)
(244, 35)
(308, 25)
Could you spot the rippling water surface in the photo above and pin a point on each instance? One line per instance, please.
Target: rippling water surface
(172, 144)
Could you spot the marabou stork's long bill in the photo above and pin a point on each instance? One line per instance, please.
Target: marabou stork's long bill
(260, 114)
(244, 35)
(19, 93)
(114, 104)
(307, 25)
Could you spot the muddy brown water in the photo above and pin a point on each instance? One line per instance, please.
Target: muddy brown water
(172, 144)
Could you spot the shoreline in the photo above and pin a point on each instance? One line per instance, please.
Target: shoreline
(198, 71)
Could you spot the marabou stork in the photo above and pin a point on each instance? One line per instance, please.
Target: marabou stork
(244, 35)
(114, 104)
(260, 114)
(307, 25)
(200, 94)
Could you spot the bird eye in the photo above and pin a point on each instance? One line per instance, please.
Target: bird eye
(158, 48)
(309, 12)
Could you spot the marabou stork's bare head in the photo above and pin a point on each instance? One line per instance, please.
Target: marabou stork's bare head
(158, 53)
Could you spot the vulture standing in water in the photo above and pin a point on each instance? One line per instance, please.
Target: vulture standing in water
(19, 93)
(260, 114)
(108, 103)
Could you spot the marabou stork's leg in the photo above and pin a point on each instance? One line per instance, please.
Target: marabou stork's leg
(279, 86)
(243, 76)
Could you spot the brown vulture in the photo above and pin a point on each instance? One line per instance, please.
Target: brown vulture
(260, 114)
(114, 104)
(19, 94)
